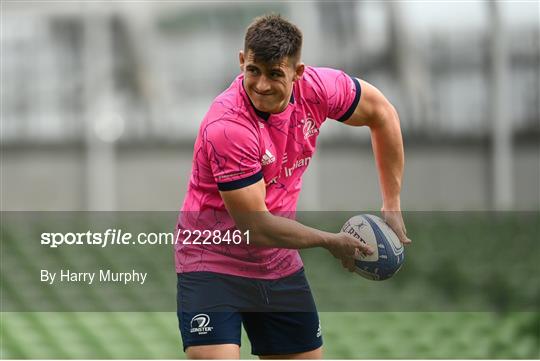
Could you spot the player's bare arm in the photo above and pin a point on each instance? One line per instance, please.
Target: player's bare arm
(376, 112)
(248, 209)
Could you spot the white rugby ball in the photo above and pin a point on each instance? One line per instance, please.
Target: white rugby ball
(388, 252)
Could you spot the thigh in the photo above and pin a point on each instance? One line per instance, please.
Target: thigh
(316, 354)
(213, 352)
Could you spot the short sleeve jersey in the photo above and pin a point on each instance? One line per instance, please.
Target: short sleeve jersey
(237, 146)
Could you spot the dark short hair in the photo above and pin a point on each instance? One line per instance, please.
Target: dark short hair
(271, 38)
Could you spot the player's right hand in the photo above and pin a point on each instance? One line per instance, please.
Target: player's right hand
(345, 248)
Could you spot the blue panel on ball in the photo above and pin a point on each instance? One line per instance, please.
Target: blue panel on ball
(388, 263)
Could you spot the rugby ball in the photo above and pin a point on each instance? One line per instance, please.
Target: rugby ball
(388, 251)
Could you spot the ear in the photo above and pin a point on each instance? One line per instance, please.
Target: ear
(299, 71)
(241, 59)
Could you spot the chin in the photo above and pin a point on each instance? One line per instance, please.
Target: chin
(263, 107)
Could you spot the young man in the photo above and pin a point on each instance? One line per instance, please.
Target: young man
(253, 146)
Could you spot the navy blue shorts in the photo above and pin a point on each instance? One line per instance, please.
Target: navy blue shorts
(279, 316)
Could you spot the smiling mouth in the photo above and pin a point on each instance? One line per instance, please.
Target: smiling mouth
(261, 94)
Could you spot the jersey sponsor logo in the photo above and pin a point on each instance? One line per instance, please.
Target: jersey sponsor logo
(304, 162)
(268, 158)
(199, 324)
(310, 128)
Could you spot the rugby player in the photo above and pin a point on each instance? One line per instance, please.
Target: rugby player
(252, 148)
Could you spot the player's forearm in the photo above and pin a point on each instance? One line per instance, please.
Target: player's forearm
(268, 230)
(387, 145)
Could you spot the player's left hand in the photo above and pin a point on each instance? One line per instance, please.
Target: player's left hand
(395, 220)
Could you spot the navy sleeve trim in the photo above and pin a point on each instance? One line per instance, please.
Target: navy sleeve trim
(354, 104)
(240, 183)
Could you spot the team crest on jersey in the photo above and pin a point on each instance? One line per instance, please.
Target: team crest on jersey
(199, 324)
(268, 158)
(310, 128)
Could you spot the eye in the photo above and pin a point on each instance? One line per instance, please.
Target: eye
(275, 74)
(253, 71)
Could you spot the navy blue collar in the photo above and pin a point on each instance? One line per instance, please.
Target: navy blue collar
(264, 115)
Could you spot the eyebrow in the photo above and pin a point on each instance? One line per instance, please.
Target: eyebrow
(276, 69)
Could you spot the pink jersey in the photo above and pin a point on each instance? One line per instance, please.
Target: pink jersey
(238, 145)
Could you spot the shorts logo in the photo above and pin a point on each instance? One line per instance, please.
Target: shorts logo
(199, 324)
(319, 330)
(310, 128)
(268, 158)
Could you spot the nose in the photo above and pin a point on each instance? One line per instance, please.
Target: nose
(263, 85)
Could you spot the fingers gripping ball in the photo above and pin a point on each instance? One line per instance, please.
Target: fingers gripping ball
(388, 252)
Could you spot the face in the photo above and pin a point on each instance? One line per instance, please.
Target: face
(269, 86)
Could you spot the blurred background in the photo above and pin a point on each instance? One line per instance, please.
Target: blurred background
(101, 103)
